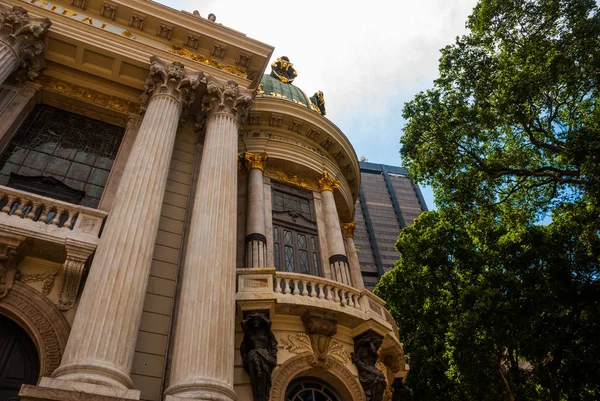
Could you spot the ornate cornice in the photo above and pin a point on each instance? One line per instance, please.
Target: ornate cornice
(226, 97)
(327, 183)
(348, 229)
(256, 160)
(171, 79)
(25, 35)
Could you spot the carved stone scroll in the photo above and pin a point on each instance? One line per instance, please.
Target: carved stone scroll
(259, 353)
(365, 358)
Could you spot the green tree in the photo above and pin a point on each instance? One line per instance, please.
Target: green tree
(514, 117)
(490, 305)
(496, 311)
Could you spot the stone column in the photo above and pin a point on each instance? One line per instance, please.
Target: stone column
(204, 342)
(355, 274)
(102, 341)
(21, 42)
(338, 261)
(256, 240)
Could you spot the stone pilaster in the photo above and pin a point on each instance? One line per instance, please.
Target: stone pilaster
(102, 341)
(21, 41)
(355, 274)
(204, 346)
(338, 261)
(256, 240)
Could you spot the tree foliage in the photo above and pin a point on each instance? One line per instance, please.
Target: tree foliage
(514, 116)
(490, 305)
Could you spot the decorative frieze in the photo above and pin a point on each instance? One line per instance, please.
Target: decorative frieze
(108, 11)
(165, 31)
(243, 60)
(218, 50)
(232, 69)
(137, 21)
(192, 41)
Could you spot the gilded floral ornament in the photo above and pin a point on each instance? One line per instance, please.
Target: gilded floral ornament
(348, 229)
(256, 160)
(226, 97)
(327, 183)
(171, 79)
(25, 35)
(293, 180)
(301, 343)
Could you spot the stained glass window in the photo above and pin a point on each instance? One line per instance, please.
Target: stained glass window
(76, 150)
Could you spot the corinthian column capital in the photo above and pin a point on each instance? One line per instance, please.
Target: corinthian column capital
(170, 79)
(226, 97)
(348, 229)
(256, 160)
(327, 182)
(25, 35)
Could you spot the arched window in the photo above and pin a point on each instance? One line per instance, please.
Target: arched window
(19, 361)
(311, 389)
(295, 236)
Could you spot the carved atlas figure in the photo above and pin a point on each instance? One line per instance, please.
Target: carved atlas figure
(259, 353)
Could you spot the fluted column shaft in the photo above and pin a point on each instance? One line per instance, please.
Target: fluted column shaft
(353, 264)
(256, 240)
(101, 345)
(9, 60)
(338, 260)
(203, 351)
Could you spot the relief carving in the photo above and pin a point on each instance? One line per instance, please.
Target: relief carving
(259, 353)
(365, 358)
(171, 79)
(25, 35)
(8, 268)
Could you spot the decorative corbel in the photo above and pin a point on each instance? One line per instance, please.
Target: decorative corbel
(74, 266)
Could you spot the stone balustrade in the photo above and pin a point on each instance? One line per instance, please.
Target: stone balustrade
(48, 219)
(296, 292)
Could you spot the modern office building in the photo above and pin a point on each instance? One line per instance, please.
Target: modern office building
(388, 202)
(176, 221)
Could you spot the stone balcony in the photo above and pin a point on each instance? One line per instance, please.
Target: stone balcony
(47, 233)
(294, 294)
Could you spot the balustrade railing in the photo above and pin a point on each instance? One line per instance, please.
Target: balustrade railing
(317, 287)
(47, 211)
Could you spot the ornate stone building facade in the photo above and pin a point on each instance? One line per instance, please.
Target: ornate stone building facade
(174, 222)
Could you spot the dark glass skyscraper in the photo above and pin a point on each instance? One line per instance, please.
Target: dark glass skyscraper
(388, 202)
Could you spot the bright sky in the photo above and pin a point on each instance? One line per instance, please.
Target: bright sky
(368, 58)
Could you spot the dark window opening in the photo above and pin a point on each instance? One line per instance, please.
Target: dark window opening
(77, 151)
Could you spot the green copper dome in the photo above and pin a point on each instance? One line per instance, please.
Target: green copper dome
(274, 87)
(279, 84)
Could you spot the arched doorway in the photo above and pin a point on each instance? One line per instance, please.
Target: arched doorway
(19, 361)
(311, 389)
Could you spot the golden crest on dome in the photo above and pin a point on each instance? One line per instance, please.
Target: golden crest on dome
(283, 70)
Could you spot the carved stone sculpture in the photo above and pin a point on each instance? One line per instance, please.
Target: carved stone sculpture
(25, 35)
(8, 262)
(365, 358)
(259, 353)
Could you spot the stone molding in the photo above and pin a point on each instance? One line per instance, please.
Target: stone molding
(226, 97)
(42, 320)
(25, 35)
(170, 79)
(296, 366)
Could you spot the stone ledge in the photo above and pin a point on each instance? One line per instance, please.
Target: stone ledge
(36, 393)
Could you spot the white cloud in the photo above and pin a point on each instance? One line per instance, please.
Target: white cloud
(360, 54)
